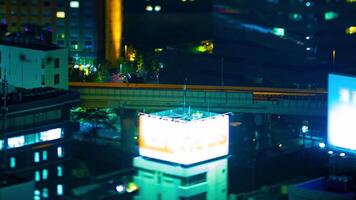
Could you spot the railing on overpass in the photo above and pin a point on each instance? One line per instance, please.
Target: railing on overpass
(214, 98)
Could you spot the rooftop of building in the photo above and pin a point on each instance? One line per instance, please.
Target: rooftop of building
(30, 40)
(7, 180)
(184, 114)
(20, 95)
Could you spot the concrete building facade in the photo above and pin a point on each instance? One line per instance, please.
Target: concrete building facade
(34, 66)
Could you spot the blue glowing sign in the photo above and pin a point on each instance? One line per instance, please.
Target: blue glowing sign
(342, 112)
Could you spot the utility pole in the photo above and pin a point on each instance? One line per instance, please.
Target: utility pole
(4, 110)
(222, 71)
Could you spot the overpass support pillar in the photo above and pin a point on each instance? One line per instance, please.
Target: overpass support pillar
(129, 124)
(262, 131)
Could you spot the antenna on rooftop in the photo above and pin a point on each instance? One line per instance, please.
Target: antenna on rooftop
(184, 93)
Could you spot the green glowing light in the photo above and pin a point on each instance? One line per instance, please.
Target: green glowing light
(278, 32)
(330, 15)
(295, 16)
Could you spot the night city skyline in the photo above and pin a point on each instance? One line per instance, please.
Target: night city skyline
(177, 99)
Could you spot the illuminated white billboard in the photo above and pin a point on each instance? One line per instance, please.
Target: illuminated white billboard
(183, 142)
(342, 112)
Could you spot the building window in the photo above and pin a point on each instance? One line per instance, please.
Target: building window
(56, 63)
(44, 174)
(59, 189)
(56, 79)
(45, 193)
(60, 14)
(36, 157)
(37, 176)
(29, 139)
(59, 171)
(12, 162)
(74, 4)
(195, 179)
(42, 79)
(44, 155)
(60, 152)
(37, 195)
(201, 196)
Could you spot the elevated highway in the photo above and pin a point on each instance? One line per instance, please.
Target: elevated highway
(142, 97)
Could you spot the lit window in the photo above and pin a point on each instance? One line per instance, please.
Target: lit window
(74, 4)
(36, 157)
(30, 139)
(16, 142)
(60, 14)
(52, 134)
(149, 8)
(37, 195)
(44, 155)
(37, 176)
(12, 162)
(44, 174)
(59, 171)
(60, 153)
(59, 189)
(1, 142)
(158, 8)
(45, 193)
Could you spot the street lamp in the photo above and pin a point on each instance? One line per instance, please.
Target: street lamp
(334, 57)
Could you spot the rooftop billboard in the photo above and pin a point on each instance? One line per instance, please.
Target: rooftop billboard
(183, 142)
(342, 112)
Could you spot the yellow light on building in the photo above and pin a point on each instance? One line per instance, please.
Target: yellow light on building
(350, 1)
(351, 30)
(60, 14)
(114, 30)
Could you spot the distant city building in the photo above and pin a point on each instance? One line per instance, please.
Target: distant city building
(158, 23)
(29, 65)
(165, 181)
(305, 39)
(77, 25)
(35, 135)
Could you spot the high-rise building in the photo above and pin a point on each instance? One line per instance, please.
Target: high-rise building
(35, 137)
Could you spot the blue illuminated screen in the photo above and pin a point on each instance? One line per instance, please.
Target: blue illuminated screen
(342, 112)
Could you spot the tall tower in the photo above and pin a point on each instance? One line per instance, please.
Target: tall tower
(113, 30)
